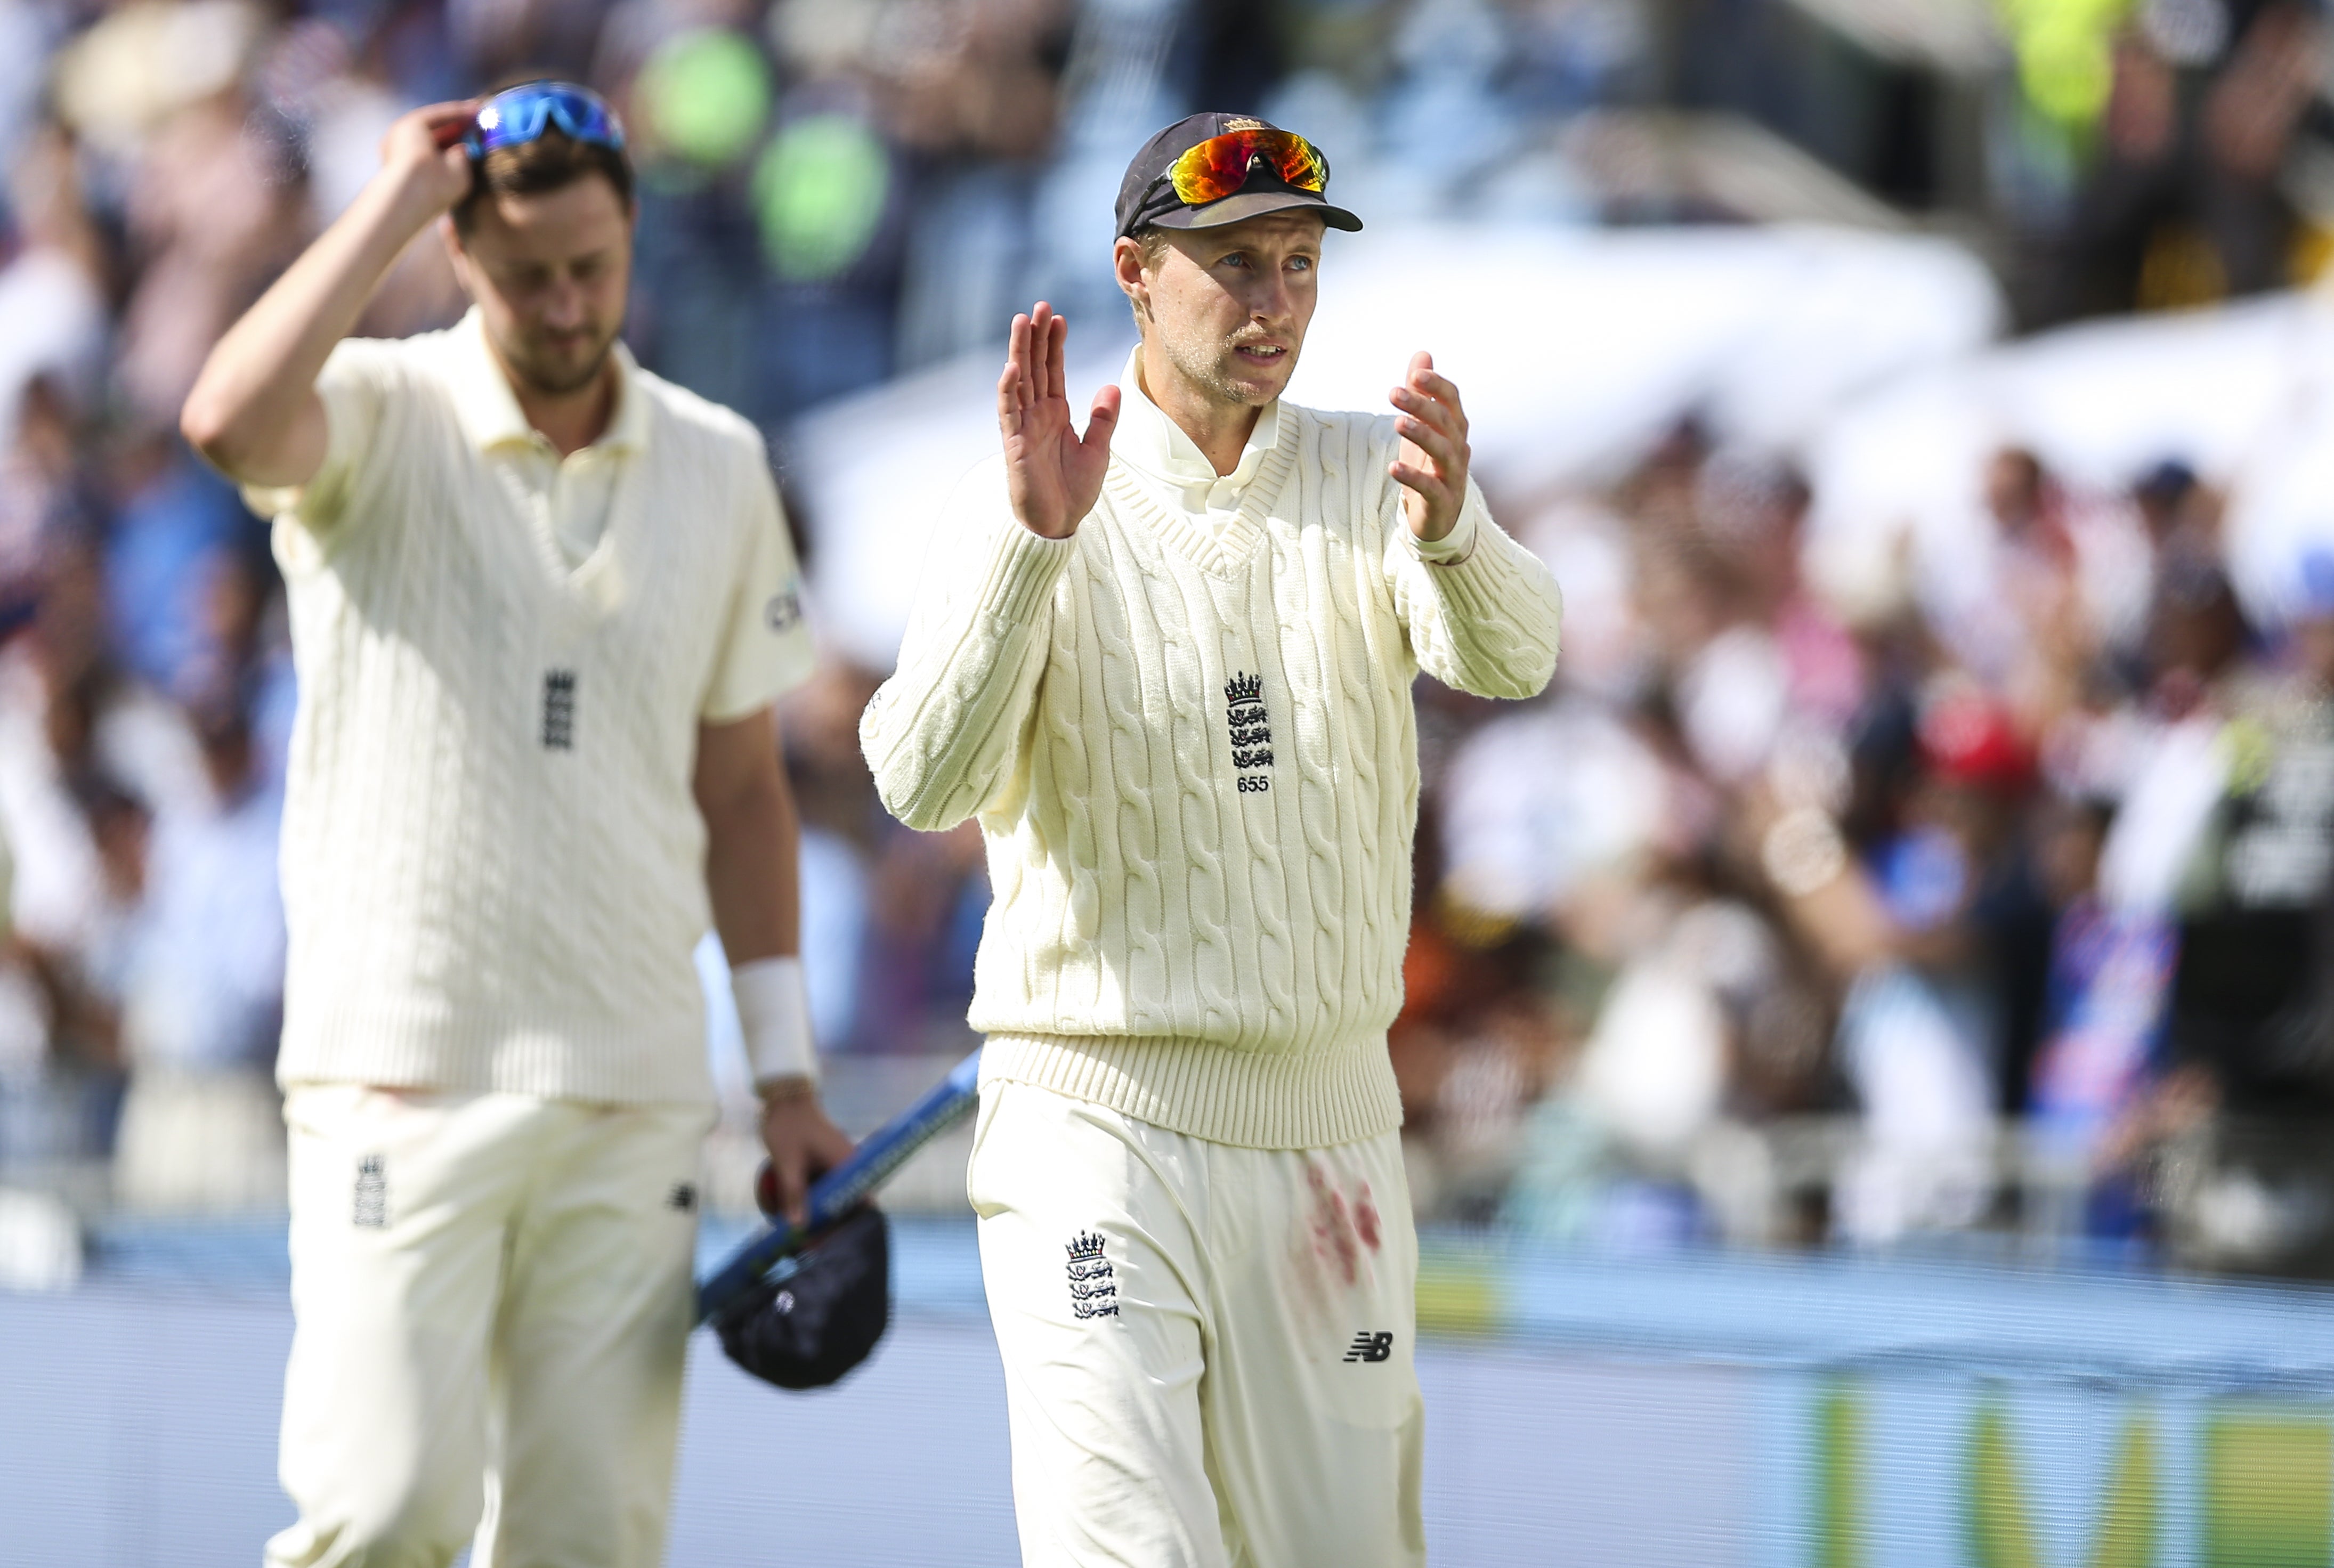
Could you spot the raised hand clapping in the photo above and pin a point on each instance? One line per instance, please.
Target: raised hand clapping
(1052, 474)
(1432, 467)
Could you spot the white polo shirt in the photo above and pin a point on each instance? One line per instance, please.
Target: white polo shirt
(493, 861)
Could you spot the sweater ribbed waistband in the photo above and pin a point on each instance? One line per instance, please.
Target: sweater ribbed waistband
(1250, 1098)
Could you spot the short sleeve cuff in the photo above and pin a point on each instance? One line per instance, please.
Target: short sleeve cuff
(770, 653)
(319, 501)
(787, 664)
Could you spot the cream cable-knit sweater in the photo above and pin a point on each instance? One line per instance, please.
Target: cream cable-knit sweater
(1194, 759)
(493, 866)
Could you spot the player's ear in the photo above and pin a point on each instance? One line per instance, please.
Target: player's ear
(1126, 262)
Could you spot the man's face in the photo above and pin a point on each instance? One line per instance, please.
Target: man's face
(550, 274)
(1229, 306)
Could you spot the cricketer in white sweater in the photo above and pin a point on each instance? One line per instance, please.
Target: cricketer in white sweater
(1186, 732)
(493, 866)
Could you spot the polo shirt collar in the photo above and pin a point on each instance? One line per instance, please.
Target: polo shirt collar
(1151, 441)
(488, 409)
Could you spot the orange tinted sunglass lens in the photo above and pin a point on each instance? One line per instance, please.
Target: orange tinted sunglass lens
(1218, 166)
(1302, 167)
(1212, 170)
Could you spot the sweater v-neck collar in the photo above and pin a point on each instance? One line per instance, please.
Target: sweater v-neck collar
(1219, 551)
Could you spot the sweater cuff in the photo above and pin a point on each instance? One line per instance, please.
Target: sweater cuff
(1453, 547)
(1023, 568)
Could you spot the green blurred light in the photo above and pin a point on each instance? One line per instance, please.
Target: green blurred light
(2066, 54)
(706, 93)
(819, 192)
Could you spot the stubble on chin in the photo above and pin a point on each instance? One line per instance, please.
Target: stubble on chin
(1210, 367)
(550, 379)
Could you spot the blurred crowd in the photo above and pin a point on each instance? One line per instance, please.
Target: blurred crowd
(1999, 913)
(1775, 922)
(2186, 163)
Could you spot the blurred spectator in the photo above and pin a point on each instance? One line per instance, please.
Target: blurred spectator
(2252, 1013)
(211, 214)
(51, 304)
(43, 495)
(172, 516)
(2111, 975)
(2183, 205)
(202, 994)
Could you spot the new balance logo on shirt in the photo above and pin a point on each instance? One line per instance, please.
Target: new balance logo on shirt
(1371, 1347)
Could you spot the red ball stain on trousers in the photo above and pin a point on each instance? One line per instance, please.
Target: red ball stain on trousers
(1340, 1230)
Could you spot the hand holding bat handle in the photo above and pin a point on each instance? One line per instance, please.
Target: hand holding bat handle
(835, 1195)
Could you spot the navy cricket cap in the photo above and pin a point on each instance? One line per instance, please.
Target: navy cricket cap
(1147, 198)
(806, 1329)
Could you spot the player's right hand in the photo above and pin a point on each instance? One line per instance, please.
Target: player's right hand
(1053, 475)
(423, 152)
(802, 1143)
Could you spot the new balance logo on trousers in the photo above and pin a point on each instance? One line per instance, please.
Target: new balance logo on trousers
(1371, 1347)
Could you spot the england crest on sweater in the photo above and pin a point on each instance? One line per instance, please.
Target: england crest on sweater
(1249, 727)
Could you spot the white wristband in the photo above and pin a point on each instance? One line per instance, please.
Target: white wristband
(774, 1012)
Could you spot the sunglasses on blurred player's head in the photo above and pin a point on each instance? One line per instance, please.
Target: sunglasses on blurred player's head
(522, 114)
(1218, 166)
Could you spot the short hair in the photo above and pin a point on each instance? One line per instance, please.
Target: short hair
(552, 161)
(1153, 242)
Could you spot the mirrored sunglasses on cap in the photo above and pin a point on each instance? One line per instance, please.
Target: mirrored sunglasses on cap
(522, 114)
(1221, 166)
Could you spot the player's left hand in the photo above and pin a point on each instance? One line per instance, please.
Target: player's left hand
(803, 1143)
(1432, 468)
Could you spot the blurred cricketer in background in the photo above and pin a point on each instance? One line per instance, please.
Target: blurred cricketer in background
(1168, 666)
(541, 604)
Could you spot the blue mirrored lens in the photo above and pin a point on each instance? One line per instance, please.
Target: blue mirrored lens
(519, 116)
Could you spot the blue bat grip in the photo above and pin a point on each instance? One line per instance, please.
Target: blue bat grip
(834, 1196)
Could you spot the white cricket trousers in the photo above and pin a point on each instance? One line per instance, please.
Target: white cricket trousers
(1208, 1349)
(491, 1296)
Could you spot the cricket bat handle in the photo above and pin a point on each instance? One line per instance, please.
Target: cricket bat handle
(835, 1195)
